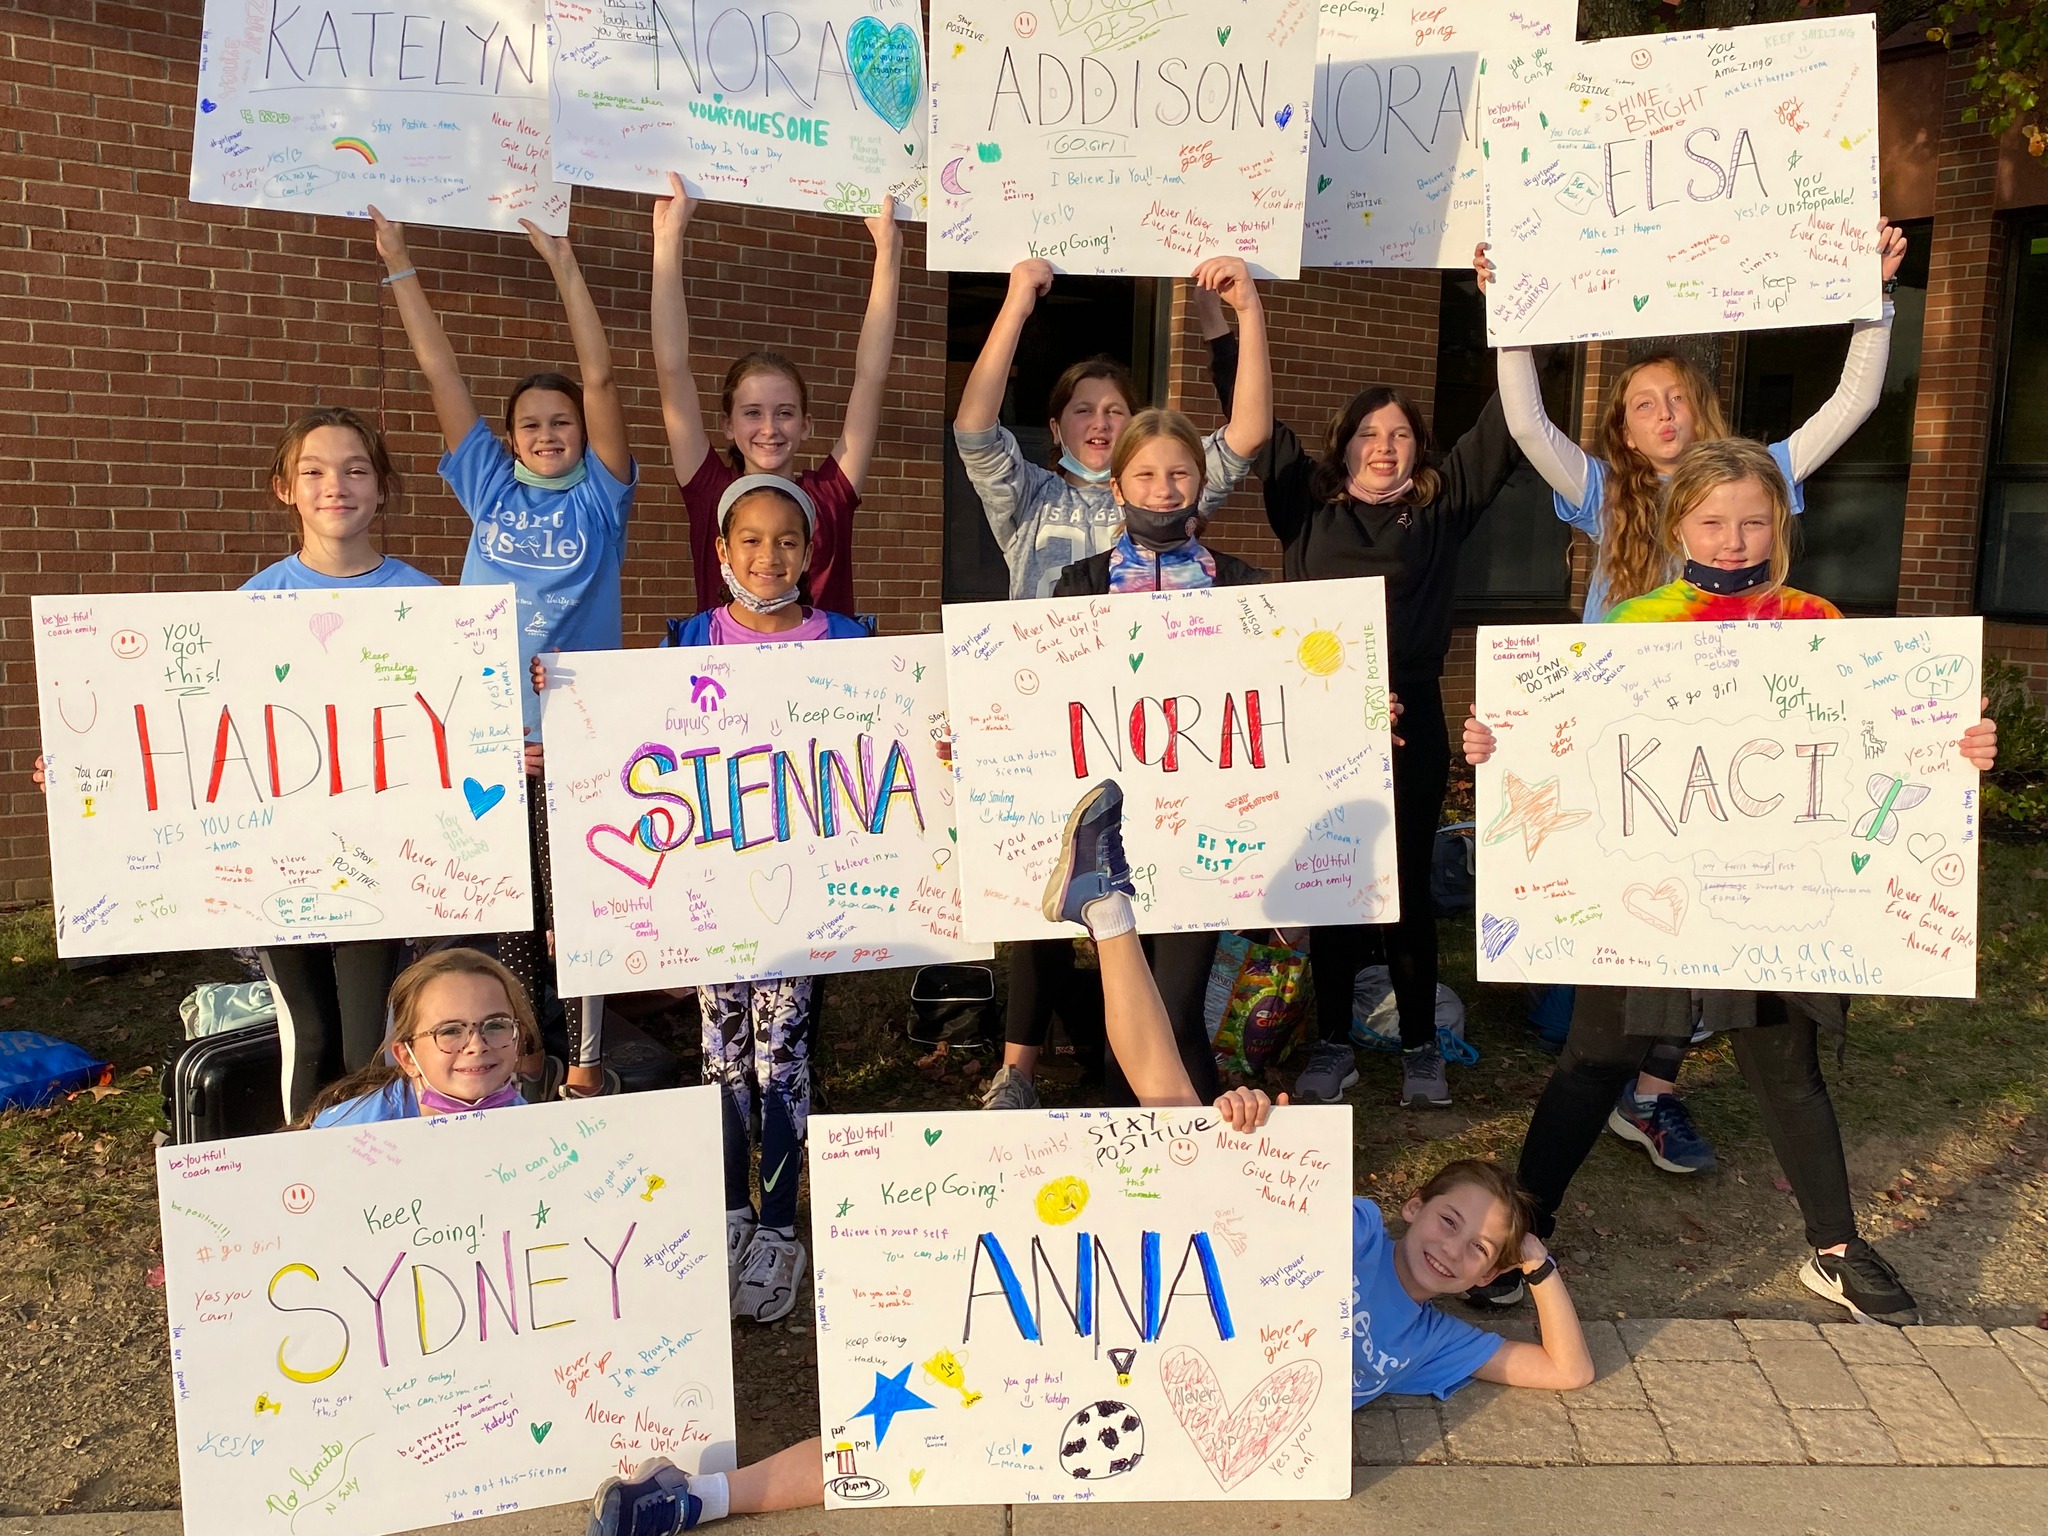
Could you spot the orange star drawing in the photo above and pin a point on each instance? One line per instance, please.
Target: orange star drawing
(1532, 810)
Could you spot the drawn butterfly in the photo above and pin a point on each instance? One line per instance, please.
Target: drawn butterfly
(1890, 796)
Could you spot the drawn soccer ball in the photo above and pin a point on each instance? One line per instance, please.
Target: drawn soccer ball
(1104, 1439)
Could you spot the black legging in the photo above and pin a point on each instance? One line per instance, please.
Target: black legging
(1044, 980)
(1780, 1060)
(334, 998)
(1422, 771)
(524, 953)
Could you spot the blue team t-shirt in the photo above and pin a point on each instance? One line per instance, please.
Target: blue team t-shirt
(1584, 515)
(1397, 1343)
(561, 550)
(291, 574)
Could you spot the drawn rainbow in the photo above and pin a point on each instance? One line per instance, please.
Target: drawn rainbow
(360, 146)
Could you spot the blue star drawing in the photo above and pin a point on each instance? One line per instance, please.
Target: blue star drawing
(892, 1396)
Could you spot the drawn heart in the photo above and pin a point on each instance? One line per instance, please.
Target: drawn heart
(931, 1137)
(885, 61)
(1858, 860)
(1222, 36)
(281, 669)
(1025, 1448)
(916, 1477)
(1280, 118)
(1137, 660)
(481, 799)
(208, 106)
(633, 850)
(1235, 1442)
(540, 1431)
(988, 154)
(1662, 908)
(771, 890)
(1640, 300)
(1322, 184)
(953, 833)
(1497, 933)
(1925, 845)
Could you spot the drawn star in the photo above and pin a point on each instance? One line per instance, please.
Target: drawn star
(403, 609)
(892, 1396)
(540, 1217)
(844, 1207)
(1532, 810)
(1813, 644)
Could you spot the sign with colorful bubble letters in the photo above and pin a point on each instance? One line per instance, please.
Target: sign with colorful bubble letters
(1120, 137)
(1748, 807)
(381, 1327)
(812, 104)
(1397, 152)
(1083, 1306)
(1247, 727)
(437, 114)
(746, 811)
(1686, 182)
(264, 768)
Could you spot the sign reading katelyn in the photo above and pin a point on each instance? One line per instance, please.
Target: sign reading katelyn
(815, 104)
(1749, 807)
(1395, 163)
(380, 1327)
(1083, 1306)
(230, 768)
(438, 113)
(1694, 181)
(738, 812)
(1131, 137)
(1247, 726)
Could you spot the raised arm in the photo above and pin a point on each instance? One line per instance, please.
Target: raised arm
(1561, 1363)
(1559, 460)
(856, 445)
(669, 321)
(981, 401)
(1821, 436)
(604, 418)
(453, 404)
(1251, 398)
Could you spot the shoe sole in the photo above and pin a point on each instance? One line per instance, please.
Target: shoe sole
(1424, 1101)
(796, 1282)
(1513, 1298)
(1063, 870)
(1350, 1081)
(1627, 1130)
(604, 1490)
(1818, 1283)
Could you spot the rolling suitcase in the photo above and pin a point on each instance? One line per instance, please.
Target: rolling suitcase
(224, 1085)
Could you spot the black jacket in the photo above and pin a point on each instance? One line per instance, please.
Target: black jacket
(1090, 577)
(1415, 548)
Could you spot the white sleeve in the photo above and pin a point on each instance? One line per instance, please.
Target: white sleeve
(1822, 434)
(1558, 459)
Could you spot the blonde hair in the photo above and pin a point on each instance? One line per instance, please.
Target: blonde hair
(1725, 461)
(1156, 422)
(1633, 555)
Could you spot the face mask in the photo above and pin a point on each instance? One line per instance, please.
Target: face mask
(1160, 531)
(434, 1102)
(748, 600)
(1079, 471)
(564, 482)
(1711, 578)
(1381, 498)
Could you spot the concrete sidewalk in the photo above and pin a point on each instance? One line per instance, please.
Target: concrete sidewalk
(1760, 1427)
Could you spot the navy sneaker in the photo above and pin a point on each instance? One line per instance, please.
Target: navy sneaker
(1091, 862)
(655, 1501)
(1664, 1130)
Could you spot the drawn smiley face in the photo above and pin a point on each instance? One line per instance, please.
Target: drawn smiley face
(1026, 682)
(1182, 1150)
(1949, 869)
(1640, 58)
(129, 643)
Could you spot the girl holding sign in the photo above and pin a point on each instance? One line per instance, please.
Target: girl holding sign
(550, 512)
(765, 411)
(1727, 519)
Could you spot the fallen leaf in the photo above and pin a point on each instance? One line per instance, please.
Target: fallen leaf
(156, 1275)
(101, 1090)
(1782, 1185)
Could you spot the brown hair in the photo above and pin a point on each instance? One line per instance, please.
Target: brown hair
(744, 368)
(1633, 555)
(1155, 422)
(1332, 477)
(1100, 366)
(560, 383)
(284, 464)
(405, 1022)
(1483, 1173)
(1724, 461)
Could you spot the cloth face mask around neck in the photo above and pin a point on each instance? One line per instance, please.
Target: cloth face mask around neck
(748, 600)
(562, 482)
(1711, 578)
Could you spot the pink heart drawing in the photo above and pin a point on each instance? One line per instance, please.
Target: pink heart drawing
(590, 841)
(1235, 1442)
(1662, 908)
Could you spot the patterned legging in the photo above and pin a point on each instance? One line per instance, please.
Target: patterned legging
(757, 1049)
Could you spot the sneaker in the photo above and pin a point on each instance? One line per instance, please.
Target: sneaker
(1502, 1291)
(1664, 1129)
(1009, 1089)
(1332, 1067)
(1423, 1085)
(1863, 1282)
(740, 1228)
(655, 1501)
(1091, 862)
(767, 1291)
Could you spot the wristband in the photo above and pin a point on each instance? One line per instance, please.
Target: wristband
(1541, 1272)
(1891, 286)
(399, 277)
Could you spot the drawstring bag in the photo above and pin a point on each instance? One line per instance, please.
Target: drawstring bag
(1376, 1017)
(215, 1007)
(1257, 1002)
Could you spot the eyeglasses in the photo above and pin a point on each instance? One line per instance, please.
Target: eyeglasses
(497, 1031)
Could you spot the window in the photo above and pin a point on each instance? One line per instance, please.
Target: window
(1850, 537)
(2012, 571)
(1081, 317)
(1514, 565)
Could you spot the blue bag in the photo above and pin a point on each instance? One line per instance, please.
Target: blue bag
(34, 1069)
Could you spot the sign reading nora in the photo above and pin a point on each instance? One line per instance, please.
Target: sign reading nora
(380, 1327)
(740, 811)
(1750, 807)
(1247, 726)
(1695, 181)
(1083, 1306)
(1394, 165)
(230, 768)
(816, 104)
(1130, 138)
(438, 113)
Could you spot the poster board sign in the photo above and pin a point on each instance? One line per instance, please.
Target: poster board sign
(1693, 181)
(811, 104)
(381, 1327)
(437, 114)
(265, 768)
(1083, 1306)
(1247, 727)
(1396, 155)
(738, 812)
(1742, 807)
(1131, 139)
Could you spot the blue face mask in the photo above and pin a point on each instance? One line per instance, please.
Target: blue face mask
(1711, 578)
(1079, 471)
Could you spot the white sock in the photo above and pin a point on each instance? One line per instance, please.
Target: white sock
(710, 1487)
(787, 1234)
(1107, 916)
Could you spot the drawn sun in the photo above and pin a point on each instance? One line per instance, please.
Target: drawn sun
(1320, 653)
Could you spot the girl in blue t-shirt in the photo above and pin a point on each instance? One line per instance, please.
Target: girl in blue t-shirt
(550, 512)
